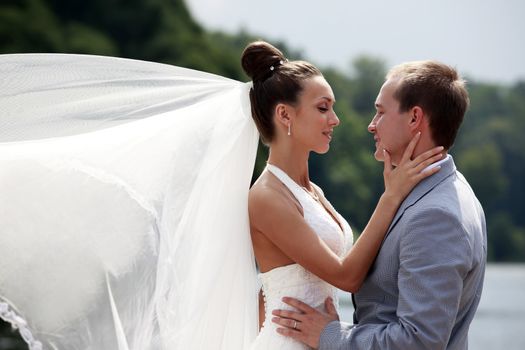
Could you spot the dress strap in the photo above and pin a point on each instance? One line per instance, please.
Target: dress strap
(293, 186)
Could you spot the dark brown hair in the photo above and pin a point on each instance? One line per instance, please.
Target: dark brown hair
(438, 90)
(275, 80)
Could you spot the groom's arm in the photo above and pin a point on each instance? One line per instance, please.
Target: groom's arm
(434, 258)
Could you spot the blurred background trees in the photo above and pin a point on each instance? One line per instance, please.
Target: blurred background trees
(490, 150)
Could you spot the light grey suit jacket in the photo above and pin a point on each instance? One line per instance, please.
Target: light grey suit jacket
(425, 285)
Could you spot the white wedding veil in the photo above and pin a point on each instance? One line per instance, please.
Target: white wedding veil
(123, 205)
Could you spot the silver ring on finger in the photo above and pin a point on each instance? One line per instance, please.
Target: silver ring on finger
(294, 324)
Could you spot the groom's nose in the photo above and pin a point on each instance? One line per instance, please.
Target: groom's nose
(372, 126)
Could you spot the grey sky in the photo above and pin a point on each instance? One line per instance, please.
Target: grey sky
(484, 39)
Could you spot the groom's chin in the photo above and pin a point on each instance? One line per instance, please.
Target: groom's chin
(378, 155)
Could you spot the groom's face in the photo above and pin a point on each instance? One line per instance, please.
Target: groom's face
(389, 126)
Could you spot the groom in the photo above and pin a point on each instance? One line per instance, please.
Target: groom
(425, 285)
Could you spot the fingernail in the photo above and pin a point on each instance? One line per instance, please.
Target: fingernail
(441, 148)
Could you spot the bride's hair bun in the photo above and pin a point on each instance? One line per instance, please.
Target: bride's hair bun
(275, 80)
(258, 59)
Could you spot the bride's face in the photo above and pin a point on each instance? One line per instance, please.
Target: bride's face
(314, 118)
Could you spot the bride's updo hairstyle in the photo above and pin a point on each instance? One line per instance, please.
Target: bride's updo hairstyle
(275, 80)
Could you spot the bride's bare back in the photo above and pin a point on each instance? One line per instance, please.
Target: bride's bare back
(267, 253)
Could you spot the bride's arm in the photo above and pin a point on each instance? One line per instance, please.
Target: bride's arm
(284, 225)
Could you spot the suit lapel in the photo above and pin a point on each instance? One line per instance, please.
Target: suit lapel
(447, 169)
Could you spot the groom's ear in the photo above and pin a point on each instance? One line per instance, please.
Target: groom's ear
(416, 118)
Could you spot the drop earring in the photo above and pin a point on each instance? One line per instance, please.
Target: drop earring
(289, 131)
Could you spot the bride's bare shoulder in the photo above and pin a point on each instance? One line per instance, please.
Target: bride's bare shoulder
(269, 193)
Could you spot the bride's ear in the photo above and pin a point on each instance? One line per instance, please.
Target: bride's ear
(283, 115)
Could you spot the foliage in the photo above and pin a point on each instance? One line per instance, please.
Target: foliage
(10, 338)
(489, 150)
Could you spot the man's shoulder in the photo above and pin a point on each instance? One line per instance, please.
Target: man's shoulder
(454, 188)
(451, 203)
(447, 197)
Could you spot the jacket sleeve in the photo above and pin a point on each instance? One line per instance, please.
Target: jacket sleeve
(336, 335)
(435, 257)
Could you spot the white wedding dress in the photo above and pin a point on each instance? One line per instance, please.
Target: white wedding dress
(293, 280)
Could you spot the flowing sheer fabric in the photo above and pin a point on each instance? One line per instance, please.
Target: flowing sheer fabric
(123, 205)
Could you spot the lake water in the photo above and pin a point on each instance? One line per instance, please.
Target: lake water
(500, 320)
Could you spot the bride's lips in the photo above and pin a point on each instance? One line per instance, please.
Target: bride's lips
(328, 134)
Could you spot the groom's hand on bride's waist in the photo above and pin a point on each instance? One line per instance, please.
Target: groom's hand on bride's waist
(305, 324)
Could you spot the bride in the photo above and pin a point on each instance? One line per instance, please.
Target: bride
(124, 195)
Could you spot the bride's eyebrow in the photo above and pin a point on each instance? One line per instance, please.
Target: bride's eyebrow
(329, 99)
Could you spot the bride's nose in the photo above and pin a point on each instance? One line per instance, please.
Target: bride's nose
(334, 120)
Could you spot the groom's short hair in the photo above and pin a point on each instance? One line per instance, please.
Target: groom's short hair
(439, 90)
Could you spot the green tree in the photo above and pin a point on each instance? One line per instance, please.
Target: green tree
(506, 241)
(369, 76)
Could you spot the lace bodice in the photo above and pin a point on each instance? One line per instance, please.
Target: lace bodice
(293, 280)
